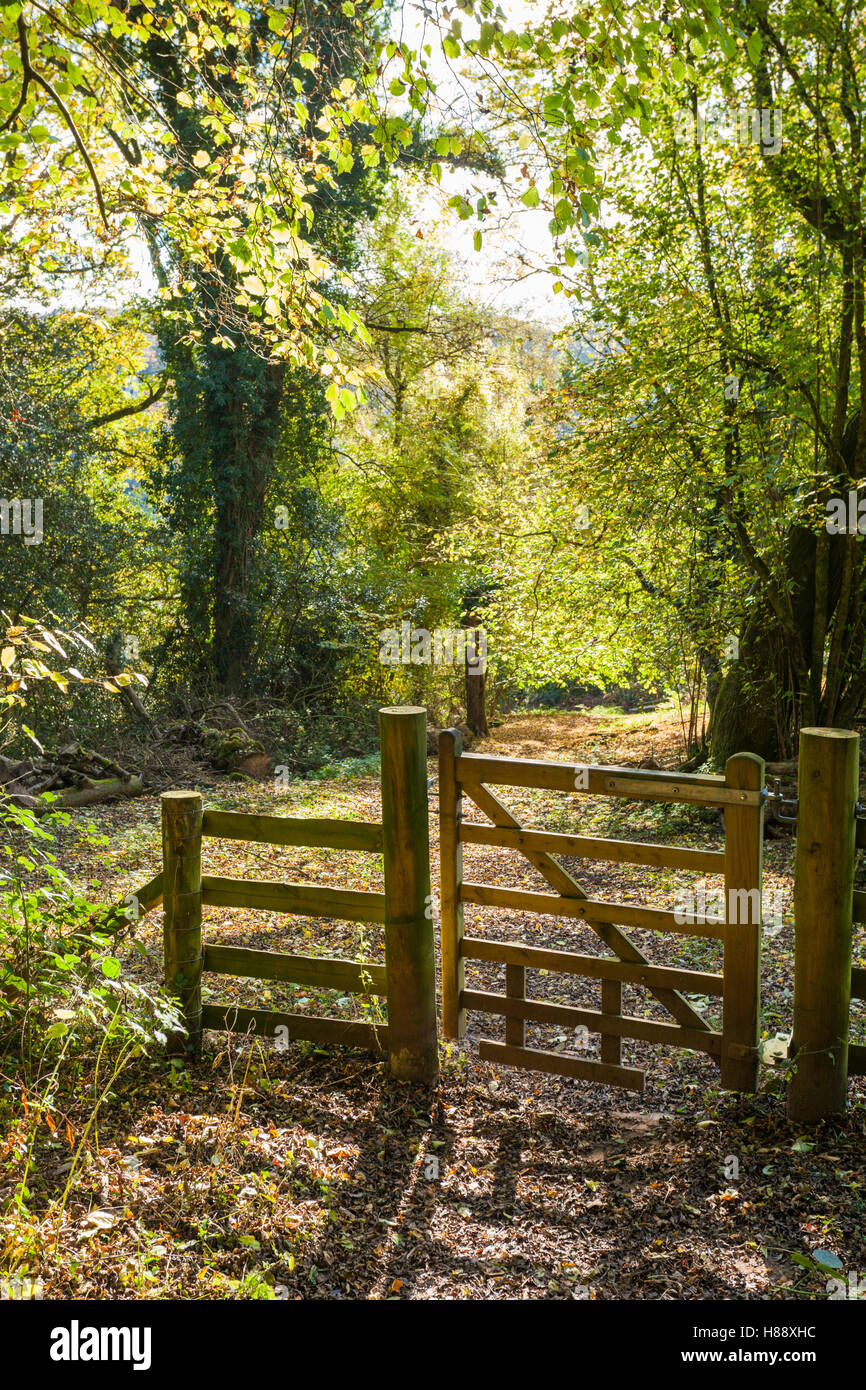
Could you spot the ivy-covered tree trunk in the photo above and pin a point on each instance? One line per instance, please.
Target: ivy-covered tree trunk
(243, 428)
(802, 654)
(744, 715)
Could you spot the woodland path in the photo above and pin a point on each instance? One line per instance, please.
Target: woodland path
(311, 1172)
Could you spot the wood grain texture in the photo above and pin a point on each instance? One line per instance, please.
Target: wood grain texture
(589, 910)
(302, 899)
(587, 847)
(182, 903)
(611, 1004)
(595, 967)
(450, 879)
(267, 1023)
(823, 913)
(323, 972)
(599, 780)
(608, 1025)
(288, 830)
(744, 850)
(515, 989)
(409, 944)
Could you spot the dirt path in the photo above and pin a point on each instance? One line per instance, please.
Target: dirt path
(310, 1173)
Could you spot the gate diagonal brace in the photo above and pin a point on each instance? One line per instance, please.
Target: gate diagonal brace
(567, 887)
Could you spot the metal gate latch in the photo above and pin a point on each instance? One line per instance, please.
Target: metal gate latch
(781, 801)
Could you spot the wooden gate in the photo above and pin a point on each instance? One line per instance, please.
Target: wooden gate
(740, 793)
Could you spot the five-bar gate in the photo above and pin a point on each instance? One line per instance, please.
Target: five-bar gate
(739, 793)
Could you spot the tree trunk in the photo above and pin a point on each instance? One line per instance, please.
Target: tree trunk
(476, 678)
(245, 431)
(744, 718)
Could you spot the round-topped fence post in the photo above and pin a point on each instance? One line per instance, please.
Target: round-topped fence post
(409, 949)
(181, 897)
(827, 786)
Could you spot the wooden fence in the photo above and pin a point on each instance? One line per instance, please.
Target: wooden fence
(740, 792)
(406, 980)
(831, 827)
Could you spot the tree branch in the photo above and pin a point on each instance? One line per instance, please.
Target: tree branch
(124, 411)
(31, 75)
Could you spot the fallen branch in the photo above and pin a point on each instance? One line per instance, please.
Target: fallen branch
(75, 776)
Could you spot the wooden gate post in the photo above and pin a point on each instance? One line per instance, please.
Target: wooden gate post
(450, 879)
(744, 850)
(181, 898)
(828, 780)
(410, 958)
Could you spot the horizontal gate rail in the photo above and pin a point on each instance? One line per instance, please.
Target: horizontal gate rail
(581, 1069)
(618, 1025)
(859, 913)
(265, 1023)
(586, 847)
(596, 967)
(327, 972)
(699, 795)
(858, 982)
(590, 910)
(304, 899)
(695, 788)
(290, 830)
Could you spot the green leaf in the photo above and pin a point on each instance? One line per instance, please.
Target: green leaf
(826, 1259)
(110, 967)
(531, 197)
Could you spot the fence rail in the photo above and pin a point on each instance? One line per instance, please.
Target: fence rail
(406, 980)
(296, 831)
(595, 967)
(826, 909)
(348, 976)
(302, 899)
(269, 1023)
(590, 910)
(585, 847)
